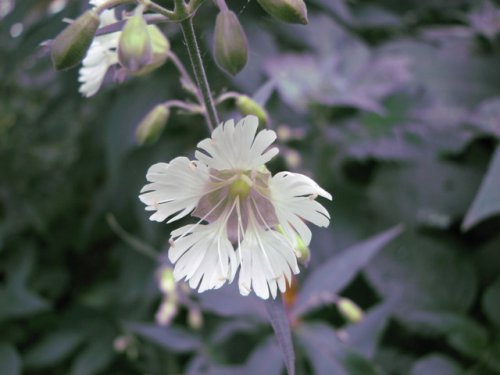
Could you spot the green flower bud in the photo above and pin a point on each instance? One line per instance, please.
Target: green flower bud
(161, 48)
(71, 45)
(291, 11)
(230, 44)
(349, 310)
(149, 129)
(248, 106)
(135, 49)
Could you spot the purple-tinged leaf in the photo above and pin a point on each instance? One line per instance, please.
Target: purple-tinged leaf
(487, 201)
(265, 360)
(281, 325)
(322, 346)
(171, 338)
(436, 364)
(228, 328)
(228, 302)
(328, 355)
(327, 280)
(364, 336)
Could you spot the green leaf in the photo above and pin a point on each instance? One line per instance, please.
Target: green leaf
(436, 364)
(96, 356)
(423, 274)
(491, 303)
(462, 333)
(20, 302)
(487, 201)
(53, 348)
(10, 363)
(429, 192)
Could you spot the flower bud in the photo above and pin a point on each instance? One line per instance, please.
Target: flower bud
(70, 46)
(161, 48)
(135, 49)
(248, 106)
(230, 44)
(149, 129)
(291, 11)
(349, 310)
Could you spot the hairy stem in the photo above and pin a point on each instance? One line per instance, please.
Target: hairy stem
(199, 72)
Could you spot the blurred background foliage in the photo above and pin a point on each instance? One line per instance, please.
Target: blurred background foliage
(393, 106)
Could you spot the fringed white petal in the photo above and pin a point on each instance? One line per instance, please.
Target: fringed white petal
(175, 188)
(203, 256)
(267, 263)
(293, 198)
(94, 67)
(100, 56)
(237, 146)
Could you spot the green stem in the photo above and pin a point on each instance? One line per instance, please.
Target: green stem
(199, 72)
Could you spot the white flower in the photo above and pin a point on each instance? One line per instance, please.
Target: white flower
(100, 56)
(238, 202)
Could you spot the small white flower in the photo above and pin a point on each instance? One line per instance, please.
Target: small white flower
(100, 56)
(238, 202)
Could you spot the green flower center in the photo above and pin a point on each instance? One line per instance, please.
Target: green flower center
(241, 187)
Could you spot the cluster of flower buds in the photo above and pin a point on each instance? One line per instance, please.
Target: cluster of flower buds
(142, 47)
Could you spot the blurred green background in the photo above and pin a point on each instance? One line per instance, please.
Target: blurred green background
(392, 106)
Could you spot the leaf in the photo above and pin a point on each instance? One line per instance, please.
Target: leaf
(265, 360)
(216, 301)
(436, 364)
(328, 355)
(429, 192)
(16, 302)
(462, 333)
(53, 348)
(281, 325)
(170, 338)
(365, 335)
(10, 363)
(321, 345)
(95, 357)
(331, 277)
(486, 117)
(487, 201)
(421, 273)
(343, 72)
(491, 303)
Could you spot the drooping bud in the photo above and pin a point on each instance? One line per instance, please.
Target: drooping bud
(230, 44)
(70, 46)
(248, 106)
(349, 310)
(291, 11)
(150, 128)
(135, 49)
(161, 48)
